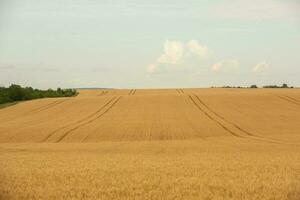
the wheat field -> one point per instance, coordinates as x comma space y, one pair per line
153, 144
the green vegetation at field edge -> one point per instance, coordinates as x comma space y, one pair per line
5, 105
16, 93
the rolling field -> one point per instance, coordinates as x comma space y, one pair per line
153, 144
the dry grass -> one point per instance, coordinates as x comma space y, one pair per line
153, 144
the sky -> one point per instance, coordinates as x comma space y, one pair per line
149, 44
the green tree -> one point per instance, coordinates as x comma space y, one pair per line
284, 85
15, 93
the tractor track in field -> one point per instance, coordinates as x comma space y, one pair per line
49, 106
41, 108
114, 102
233, 124
229, 122
180, 91
132, 92
107, 110
79, 121
289, 99
247, 135
292, 98
213, 119
45, 106
102, 93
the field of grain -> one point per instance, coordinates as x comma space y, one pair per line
153, 144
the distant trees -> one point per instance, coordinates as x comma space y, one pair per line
284, 85
255, 86
18, 93
276, 86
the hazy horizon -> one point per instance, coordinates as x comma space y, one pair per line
142, 44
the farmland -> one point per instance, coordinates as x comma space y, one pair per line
153, 144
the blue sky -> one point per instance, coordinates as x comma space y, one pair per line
149, 44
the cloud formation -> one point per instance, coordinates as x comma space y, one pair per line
173, 52
176, 52
226, 65
260, 67
195, 48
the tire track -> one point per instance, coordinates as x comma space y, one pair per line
248, 134
214, 120
37, 110
43, 107
107, 110
54, 102
288, 100
79, 121
130, 92
90, 121
180, 91
229, 122
49, 106
236, 126
102, 93
293, 99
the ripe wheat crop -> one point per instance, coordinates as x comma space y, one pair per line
153, 144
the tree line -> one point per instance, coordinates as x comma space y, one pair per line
255, 86
17, 93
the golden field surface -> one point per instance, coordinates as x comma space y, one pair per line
153, 144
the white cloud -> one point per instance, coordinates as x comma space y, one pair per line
195, 48
173, 52
226, 65
260, 67
152, 68
258, 10
176, 52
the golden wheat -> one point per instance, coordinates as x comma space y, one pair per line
153, 144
